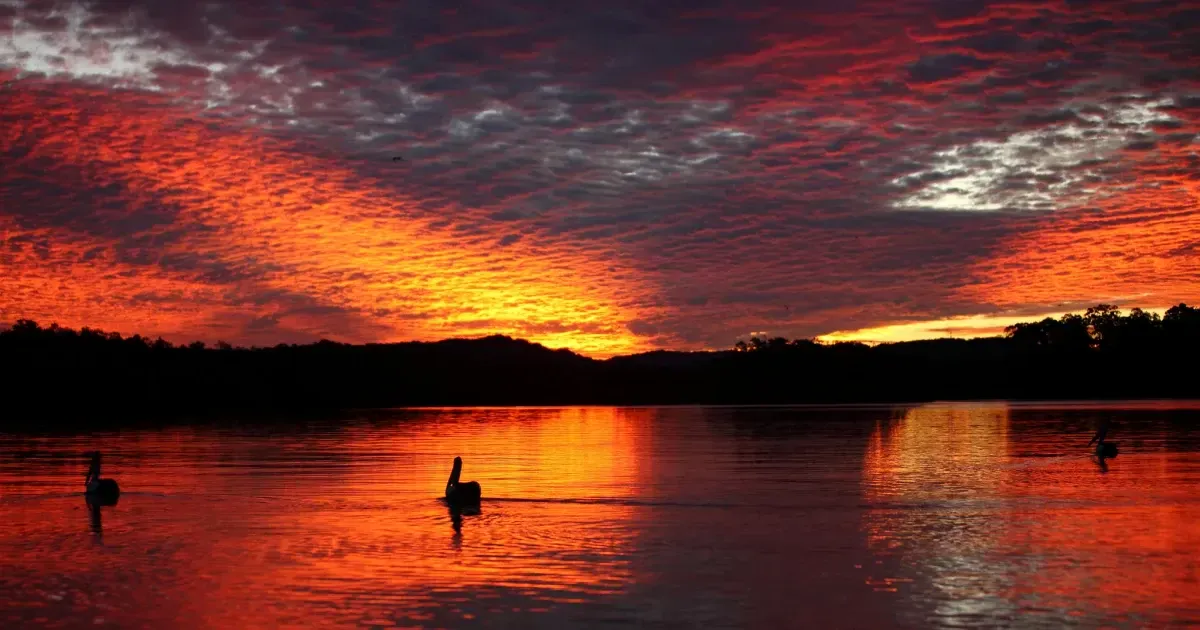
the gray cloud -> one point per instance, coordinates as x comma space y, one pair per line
860, 161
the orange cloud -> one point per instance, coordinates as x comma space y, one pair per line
890, 163
289, 226
1138, 250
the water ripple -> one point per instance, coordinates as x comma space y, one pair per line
929, 516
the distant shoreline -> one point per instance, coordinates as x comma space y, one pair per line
77, 376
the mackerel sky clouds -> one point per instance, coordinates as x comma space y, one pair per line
613, 177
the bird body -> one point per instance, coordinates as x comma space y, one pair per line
103, 490
106, 490
461, 493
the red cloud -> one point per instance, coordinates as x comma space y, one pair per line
611, 180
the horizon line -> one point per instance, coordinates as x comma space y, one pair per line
964, 327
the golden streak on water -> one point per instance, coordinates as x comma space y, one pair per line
721, 517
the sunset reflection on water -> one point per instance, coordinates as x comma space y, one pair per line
995, 514
282, 527
938, 515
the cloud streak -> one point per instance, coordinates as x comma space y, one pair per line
622, 179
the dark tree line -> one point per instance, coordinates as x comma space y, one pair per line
1101, 328
88, 373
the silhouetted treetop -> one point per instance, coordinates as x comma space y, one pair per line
1104, 329
1102, 353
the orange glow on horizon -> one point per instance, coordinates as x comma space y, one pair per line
968, 327
257, 242
315, 238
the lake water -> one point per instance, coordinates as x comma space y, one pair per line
944, 515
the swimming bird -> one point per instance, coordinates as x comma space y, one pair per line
397, 159
465, 493
103, 490
1103, 449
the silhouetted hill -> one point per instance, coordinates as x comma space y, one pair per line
1100, 354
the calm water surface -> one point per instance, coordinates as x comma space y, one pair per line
985, 514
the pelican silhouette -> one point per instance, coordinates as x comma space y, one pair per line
465, 493
1103, 449
103, 491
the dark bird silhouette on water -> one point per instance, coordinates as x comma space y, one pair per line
1103, 449
461, 493
397, 159
100, 491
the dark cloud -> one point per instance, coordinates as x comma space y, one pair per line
942, 67
689, 166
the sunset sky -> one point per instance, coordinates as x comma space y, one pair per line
609, 177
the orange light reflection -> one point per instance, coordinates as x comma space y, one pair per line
291, 530
976, 516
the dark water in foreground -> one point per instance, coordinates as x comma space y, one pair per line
932, 516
